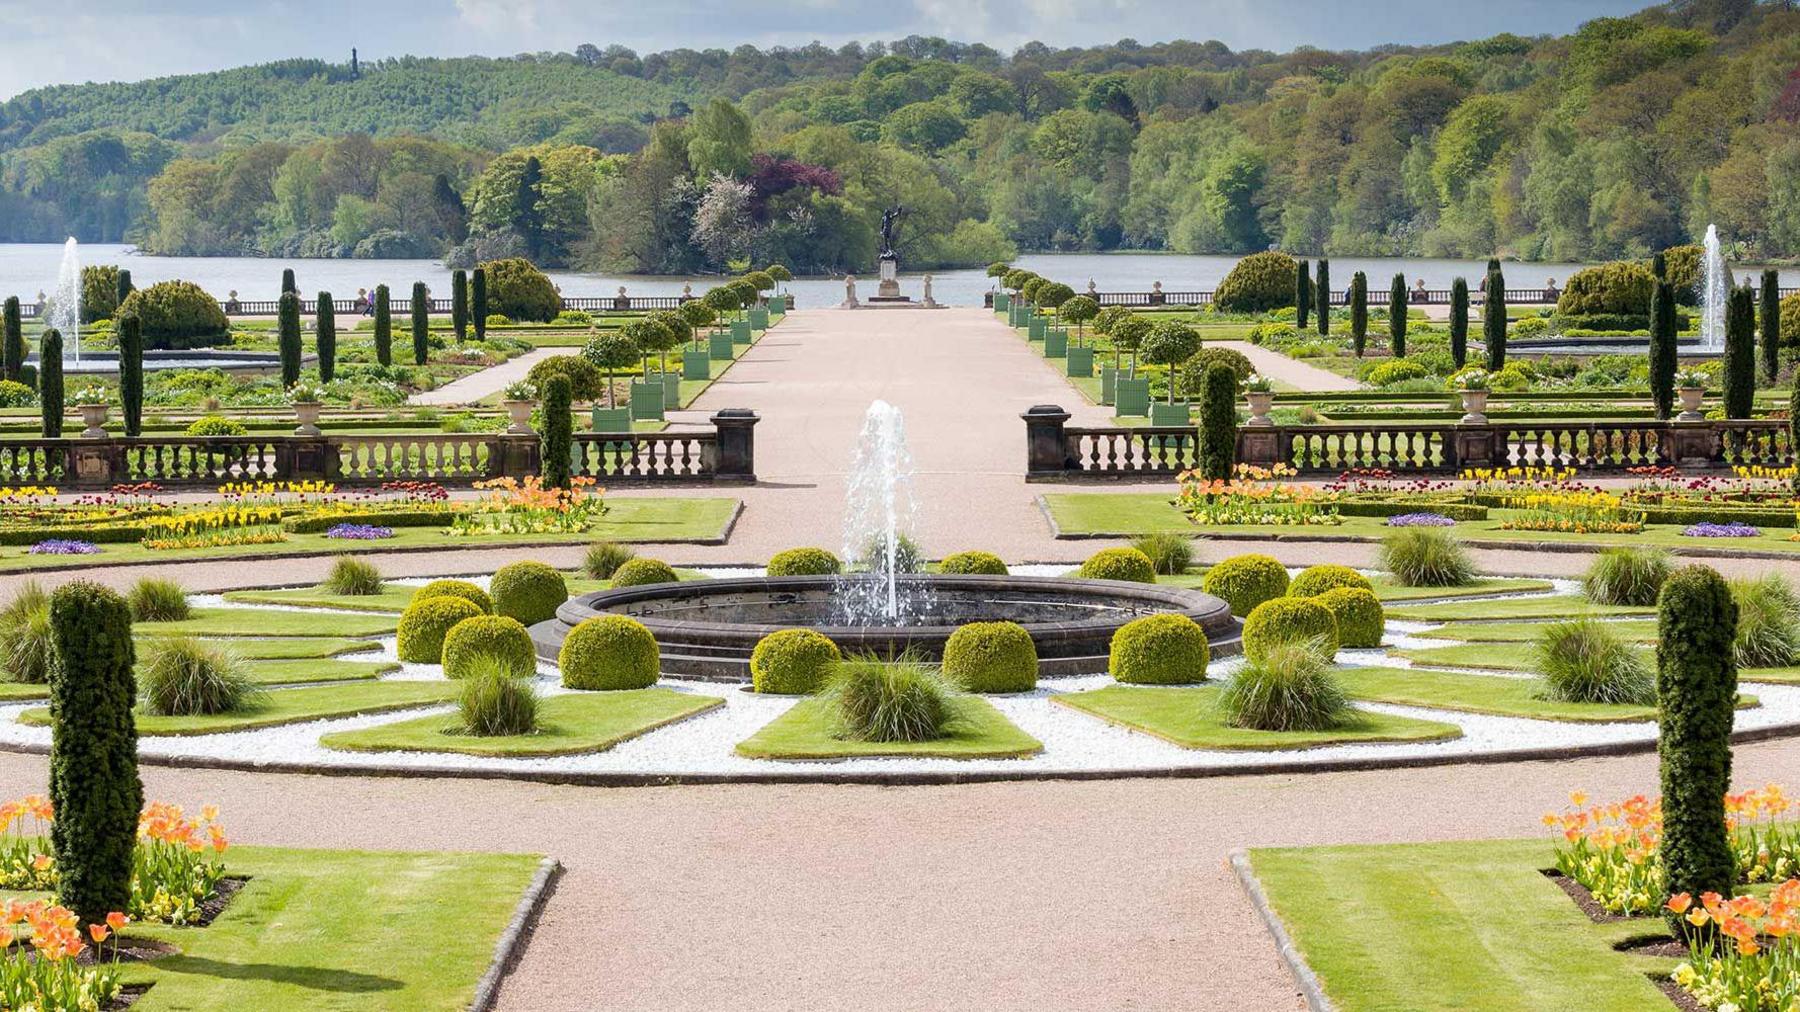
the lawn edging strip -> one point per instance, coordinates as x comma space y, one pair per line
1296, 963
513, 940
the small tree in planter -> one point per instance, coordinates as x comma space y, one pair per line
721, 300
1359, 312
760, 281
1218, 423
998, 269
1078, 310
1323, 306
1664, 358
1031, 287
50, 382
1303, 292
131, 373
649, 336
559, 435
421, 322
459, 303
326, 336
1014, 280
1128, 335
780, 273
1459, 322
611, 353
287, 323
1170, 344
1397, 316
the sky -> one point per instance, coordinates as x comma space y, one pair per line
129, 40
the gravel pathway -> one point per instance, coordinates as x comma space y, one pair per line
487, 382
1296, 374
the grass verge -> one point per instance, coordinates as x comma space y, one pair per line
1636, 630
1188, 716
290, 706
976, 731
568, 724
268, 622
1491, 694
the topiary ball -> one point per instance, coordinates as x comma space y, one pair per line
1245, 581
1289, 620
497, 636
805, 562
991, 657
1159, 650
796, 661
1316, 580
425, 623
1358, 614
609, 652
457, 588
973, 564
1127, 564
639, 572
528, 591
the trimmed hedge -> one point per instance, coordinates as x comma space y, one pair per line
973, 564
991, 657
457, 588
115, 535
399, 516
496, 636
1159, 650
1372, 508
805, 562
1358, 613
1126, 564
609, 652
1316, 580
639, 572
528, 591
1623, 287
425, 623
1288, 620
176, 314
1245, 581
1258, 283
793, 661
517, 290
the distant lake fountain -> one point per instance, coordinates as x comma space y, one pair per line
64, 311
1713, 291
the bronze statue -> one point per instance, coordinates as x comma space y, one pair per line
890, 218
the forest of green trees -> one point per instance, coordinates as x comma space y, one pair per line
1627, 136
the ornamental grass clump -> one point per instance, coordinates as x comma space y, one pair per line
604, 558
493, 703
184, 677
1170, 554
1584, 661
154, 600
1426, 557
352, 577
1290, 687
26, 651
1626, 576
1245, 581
870, 699
1768, 626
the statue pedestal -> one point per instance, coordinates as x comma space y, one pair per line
889, 289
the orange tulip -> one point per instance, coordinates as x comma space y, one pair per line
117, 921
98, 932
1679, 903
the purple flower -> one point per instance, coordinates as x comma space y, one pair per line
1420, 520
1730, 530
360, 532
60, 546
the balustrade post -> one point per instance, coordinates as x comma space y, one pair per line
1046, 447
310, 458
95, 461
516, 456
1261, 445
736, 460
1477, 446
1694, 444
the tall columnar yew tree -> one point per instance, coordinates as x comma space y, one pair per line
384, 326
1302, 295
1459, 322
123, 286
459, 304
94, 784
558, 432
1696, 690
1323, 302
421, 322
478, 303
1359, 312
131, 372
1663, 357
1218, 422
326, 335
287, 281
50, 382
1493, 318
12, 343
1397, 316
1770, 313
1739, 369
287, 325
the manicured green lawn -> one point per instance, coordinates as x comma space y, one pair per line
268, 622
1188, 716
1551, 606
978, 731
1638, 630
286, 647
1499, 656
1389, 591
1453, 927
290, 706
1506, 697
568, 724
14, 691
323, 929
296, 672
631, 520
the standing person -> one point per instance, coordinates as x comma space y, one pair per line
1418, 291
362, 301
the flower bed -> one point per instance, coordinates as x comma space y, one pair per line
1732, 529
1420, 520
1253, 496
359, 532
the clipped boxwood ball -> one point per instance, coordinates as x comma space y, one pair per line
973, 564
497, 636
528, 591
457, 588
1119, 564
609, 652
1316, 580
1358, 614
638, 572
795, 661
1289, 620
1245, 581
425, 623
991, 657
1159, 650
805, 562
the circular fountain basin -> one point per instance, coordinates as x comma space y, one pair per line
707, 628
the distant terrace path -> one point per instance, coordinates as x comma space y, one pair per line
1292, 372
486, 383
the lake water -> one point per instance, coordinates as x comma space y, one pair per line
29, 268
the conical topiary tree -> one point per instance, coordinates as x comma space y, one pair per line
325, 334
1397, 316
384, 326
1770, 313
50, 382
1303, 295
1739, 368
1322, 304
459, 304
12, 341
1663, 358
131, 372
94, 786
1459, 322
421, 323
287, 337
1493, 318
1359, 312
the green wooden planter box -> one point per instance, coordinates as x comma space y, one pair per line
759, 318
647, 400
1035, 328
1081, 362
696, 362
1132, 396
1002, 302
719, 345
1109, 380
740, 332
1162, 413
611, 420
1056, 344
671, 382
